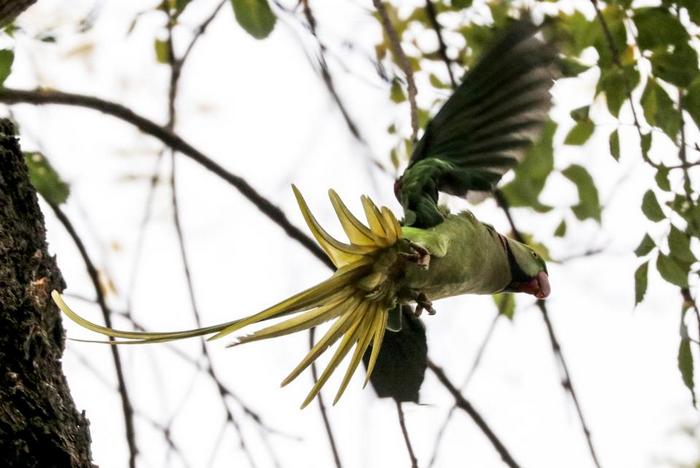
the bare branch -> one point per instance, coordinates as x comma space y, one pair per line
556, 347
322, 407
472, 371
330, 86
175, 73
127, 409
404, 431
41, 96
403, 62
463, 404
442, 47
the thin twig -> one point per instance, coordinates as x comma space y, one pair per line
167, 436
222, 387
43, 96
442, 47
175, 74
576, 256
463, 404
556, 347
177, 67
688, 188
404, 431
127, 408
566, 379
322, 407
472, 371
402, 61
327, 78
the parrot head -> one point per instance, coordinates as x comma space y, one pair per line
528, 270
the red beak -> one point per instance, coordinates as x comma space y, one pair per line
537, 286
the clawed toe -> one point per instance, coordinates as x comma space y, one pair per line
418, 255
423, 303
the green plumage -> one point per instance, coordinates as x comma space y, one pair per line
480, 132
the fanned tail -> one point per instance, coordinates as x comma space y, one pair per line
358, 297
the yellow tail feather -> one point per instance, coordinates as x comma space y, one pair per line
357, 296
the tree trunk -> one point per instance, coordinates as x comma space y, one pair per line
9, 9
39, 424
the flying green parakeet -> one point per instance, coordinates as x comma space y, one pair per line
481, 131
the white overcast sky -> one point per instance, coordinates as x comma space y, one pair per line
259, 109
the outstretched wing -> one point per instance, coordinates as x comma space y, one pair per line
484, 128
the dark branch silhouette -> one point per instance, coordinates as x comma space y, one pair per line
566, 381
402, 61
41, 96
406, 438
463, 404
127, 408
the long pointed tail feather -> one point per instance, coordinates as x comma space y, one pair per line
356, 298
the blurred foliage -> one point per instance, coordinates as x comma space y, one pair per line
45, 179
6, 59
646, 53
255, 16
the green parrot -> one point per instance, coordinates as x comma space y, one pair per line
481, 131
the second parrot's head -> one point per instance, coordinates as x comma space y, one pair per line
528, 270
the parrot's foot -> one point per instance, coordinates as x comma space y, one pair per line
417, 254
423, 303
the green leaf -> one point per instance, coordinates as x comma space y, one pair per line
640, 282
646, 144
255, 16
589, 204
571, 66
661, 179
45, 179
181, 4
692, 100
575, 33
396, 93
580, 114
560, 231
614, 17
531, 174
460, 4
685, 365
672, 271
679, 244
435, 81
651, 207
656, 27
614, 83
615, 145
6, 59
505, 302
659, 109
646, 246
678, 66
580, 133
162, 51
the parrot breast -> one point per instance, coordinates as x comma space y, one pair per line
466, 258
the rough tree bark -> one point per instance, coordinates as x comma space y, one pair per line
10, 9
39, 424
